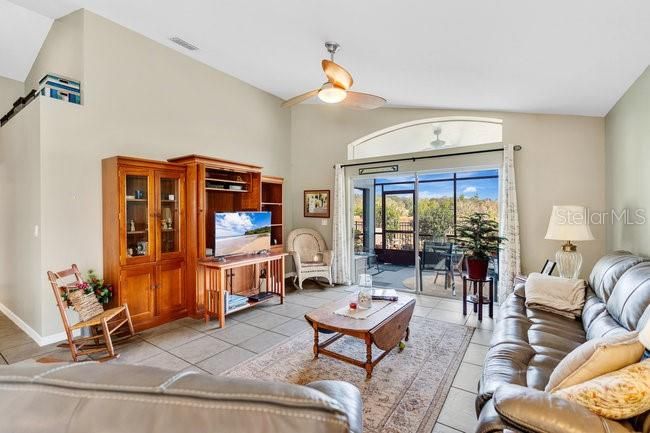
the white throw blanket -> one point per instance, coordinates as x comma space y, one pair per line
563, 296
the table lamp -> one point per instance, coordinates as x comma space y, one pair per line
569, 223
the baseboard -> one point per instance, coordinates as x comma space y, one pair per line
38, 339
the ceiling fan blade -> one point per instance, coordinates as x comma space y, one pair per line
336, 74
362, 101
300, 98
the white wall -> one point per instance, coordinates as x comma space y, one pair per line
562, 162
10, 90
21, 280
627, 135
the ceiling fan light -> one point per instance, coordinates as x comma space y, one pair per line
331, 94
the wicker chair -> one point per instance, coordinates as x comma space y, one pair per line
310, 255
107, 327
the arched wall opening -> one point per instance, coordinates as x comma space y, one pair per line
425, 135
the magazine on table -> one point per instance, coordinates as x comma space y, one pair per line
384, 295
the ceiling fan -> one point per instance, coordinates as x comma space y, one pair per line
336, 89
438, 143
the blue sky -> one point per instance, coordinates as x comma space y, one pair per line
237, 223
484, 188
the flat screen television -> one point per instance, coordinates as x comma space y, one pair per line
237, 233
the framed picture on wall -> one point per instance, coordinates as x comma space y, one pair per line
317, 203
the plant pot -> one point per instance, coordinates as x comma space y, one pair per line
477, 268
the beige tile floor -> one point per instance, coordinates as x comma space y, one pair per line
189, 344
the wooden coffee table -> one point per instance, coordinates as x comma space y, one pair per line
385, 328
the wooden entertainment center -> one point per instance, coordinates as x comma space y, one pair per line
158, 225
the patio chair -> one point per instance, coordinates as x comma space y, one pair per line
437, 257
107, 327
457, 260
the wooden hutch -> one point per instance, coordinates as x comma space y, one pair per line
144, 237
159, 223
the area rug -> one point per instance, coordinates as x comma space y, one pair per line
407, 389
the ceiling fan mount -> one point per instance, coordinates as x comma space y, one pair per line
336, 90
332, 48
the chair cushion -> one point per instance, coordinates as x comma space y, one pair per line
631, 296
593, 308
312, 264
594, 358
609, 269
604, 325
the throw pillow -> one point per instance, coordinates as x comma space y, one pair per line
594, 358
621, 394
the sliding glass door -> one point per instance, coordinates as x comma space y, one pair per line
404, 226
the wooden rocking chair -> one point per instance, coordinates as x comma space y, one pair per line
107, 328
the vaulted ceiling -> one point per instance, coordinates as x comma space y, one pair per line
555, 56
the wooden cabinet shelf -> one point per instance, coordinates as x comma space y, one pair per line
225, 189
250, 304
272, 199
236, 182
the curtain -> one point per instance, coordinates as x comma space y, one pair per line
341, 235
509, 256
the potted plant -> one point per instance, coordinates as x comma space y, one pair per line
479, 236
93, 284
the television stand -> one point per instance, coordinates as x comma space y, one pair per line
212, 278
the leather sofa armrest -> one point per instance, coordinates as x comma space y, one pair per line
348, 396
327, 257
536, 411
489, 421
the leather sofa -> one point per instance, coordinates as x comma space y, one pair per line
107, 398
527, 344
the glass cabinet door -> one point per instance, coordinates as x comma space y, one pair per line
169, 214
137, 221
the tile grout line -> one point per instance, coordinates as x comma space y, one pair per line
454, 429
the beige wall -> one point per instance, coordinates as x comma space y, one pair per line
20, 191
10, 90
140, 99
62, 51
627, 138
562, 162
143, 99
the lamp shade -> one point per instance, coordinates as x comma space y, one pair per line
569, 223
